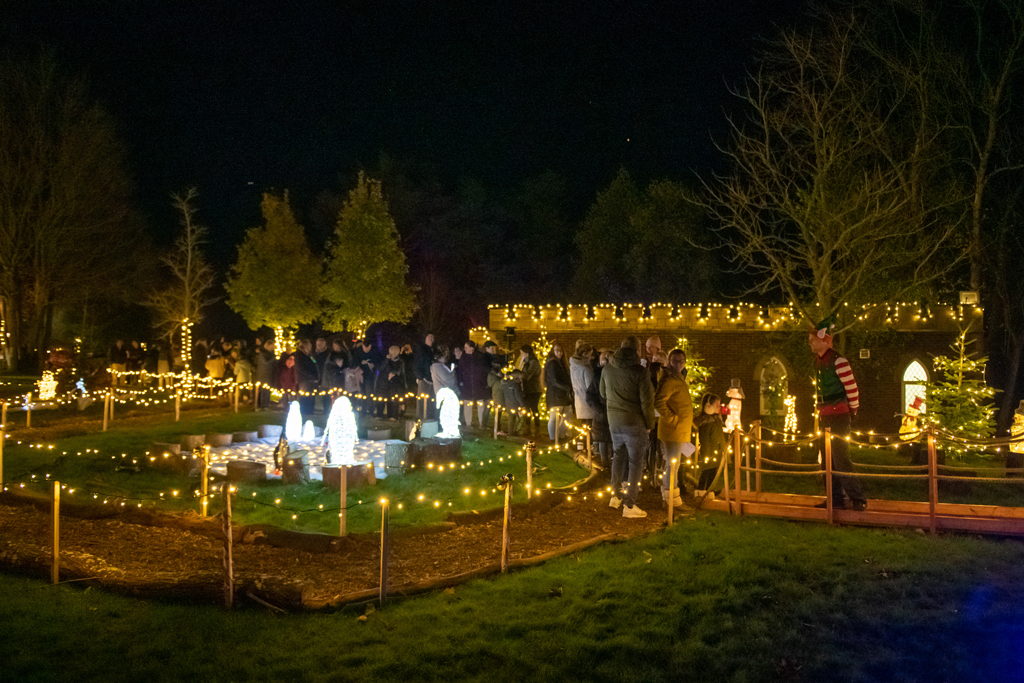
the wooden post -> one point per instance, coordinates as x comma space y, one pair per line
590, 454
3, 437
106, 408
383, 550
725, 480
55, 566
507, 524
177, 405
757, 457
672, 475
111, 407
746, 461
736, 439
229, 575
497, 419
933, 479
828, 474
3, 420
204, 488
343, 514
558, 420
529, 468
28, 410
236, 397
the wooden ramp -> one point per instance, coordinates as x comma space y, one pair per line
980, 519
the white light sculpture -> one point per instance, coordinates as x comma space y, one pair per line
448, 413
308, 431
293, 425
340, 433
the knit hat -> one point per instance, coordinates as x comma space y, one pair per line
918, 402
823, 330
734, 389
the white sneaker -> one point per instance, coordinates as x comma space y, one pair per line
615, 502
633, 513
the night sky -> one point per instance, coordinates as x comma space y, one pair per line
237, 98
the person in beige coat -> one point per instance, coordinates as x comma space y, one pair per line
675, 409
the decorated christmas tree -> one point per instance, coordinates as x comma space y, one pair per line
960, 402
697, 375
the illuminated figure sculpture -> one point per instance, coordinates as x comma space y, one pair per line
308, 431
293, 425
735, 394
1017, 429
340, 433
448, 413
908, 427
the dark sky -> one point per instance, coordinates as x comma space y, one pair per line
238, 97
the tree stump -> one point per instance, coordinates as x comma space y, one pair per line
218, 440
429, 429
270, 431
246, 470
395, 456
244, 437
172, 448
378, 434
422, 452
295, 468
410, 430
190, 442
357, 475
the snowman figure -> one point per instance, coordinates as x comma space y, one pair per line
735, 395
448, 414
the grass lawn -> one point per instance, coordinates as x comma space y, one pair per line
714, 598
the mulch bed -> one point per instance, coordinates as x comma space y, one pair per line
158, 561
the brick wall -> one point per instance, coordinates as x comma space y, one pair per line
737, 341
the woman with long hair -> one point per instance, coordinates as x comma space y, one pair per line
530, 366
559, 389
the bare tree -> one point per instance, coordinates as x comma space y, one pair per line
838, 193
182, 300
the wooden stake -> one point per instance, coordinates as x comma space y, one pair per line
497, 420
343, 514
383, 551
204, 488
177, 406
229, 574
236, 397
725, 480
106, 404
507, 524
55, 566
111, 407
933, 479
746, 461
736, 438
590, 454
529, 468
828, 474
28, 410
3, 421
3, 437
671, 489
558, 419
757, 456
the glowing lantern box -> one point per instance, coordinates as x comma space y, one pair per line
356, 475
423, 452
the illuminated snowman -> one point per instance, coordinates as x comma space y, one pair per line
340, 433
735, 395
1017, 429
448, 413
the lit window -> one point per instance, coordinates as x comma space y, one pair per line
914, 378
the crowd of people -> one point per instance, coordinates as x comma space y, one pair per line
634, 401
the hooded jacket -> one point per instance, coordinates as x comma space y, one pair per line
582, 373
675, 408
627, 391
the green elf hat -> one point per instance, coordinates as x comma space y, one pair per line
823, 330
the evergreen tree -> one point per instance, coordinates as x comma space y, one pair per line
276, 279
960, 402
365, 281
697, 374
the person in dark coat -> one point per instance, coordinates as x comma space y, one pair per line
472, 372
367, 359
559, 389
286, 379
600, 434
532, 388
390, 385
118, 362
308, 378
423, 358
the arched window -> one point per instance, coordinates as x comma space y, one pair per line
914, 378
774, 388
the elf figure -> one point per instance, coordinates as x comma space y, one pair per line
735, 408
838, 399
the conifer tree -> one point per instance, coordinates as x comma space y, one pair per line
365, 280
276, 279
961, 402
